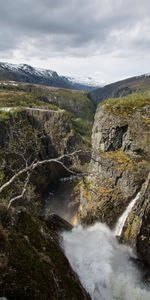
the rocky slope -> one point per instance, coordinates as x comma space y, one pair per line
120, 166
32, 263
122, 88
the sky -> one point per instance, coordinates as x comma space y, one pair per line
104, 39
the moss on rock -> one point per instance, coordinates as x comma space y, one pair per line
33, 265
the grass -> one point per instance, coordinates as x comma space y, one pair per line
82, 127
119, 156
122, 160
13, 99
78, 107
128, 104
75, 102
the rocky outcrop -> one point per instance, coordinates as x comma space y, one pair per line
32, 263
119, 168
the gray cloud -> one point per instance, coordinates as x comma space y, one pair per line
74, 28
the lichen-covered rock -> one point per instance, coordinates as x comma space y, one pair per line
120, 161
32, 263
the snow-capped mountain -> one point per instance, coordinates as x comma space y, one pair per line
28, 74
89, 81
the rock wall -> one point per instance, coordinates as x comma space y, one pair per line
34, 134
119, 167
137, 228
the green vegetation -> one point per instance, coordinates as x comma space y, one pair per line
4, 115
122, 159
127, 105
125, 162
75, 102
22, 99
79, 108
83, 128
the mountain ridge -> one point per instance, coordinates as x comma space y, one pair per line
140, 83
28, 74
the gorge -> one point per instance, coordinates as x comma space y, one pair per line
103, 189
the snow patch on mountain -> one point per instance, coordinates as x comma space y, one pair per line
89, 81
27, 73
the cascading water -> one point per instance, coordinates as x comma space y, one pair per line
123, 218
103, 265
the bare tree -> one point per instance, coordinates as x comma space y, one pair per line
28, 169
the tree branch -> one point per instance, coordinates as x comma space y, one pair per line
23, 191
34, 165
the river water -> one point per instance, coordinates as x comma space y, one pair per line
103, 265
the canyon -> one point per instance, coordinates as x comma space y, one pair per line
102, 189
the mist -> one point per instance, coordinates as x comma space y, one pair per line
103, 265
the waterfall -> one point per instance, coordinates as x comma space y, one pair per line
103, 265
122, 219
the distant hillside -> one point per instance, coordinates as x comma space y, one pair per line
122, 88
27, 74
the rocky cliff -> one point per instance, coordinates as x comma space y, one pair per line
120, 166
30, 134
32, 263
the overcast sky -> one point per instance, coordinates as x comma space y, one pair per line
106, 39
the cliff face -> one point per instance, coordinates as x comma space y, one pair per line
119, 166
33, 265
30, 134
137, 228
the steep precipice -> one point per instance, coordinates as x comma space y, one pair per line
120, 166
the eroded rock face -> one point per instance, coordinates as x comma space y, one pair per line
137, 228
34, 134
33, 265
119, 167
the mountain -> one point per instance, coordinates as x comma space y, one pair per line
122, 88
28, 74
87, 81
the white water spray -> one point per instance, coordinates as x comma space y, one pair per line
102, 264
121, 222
